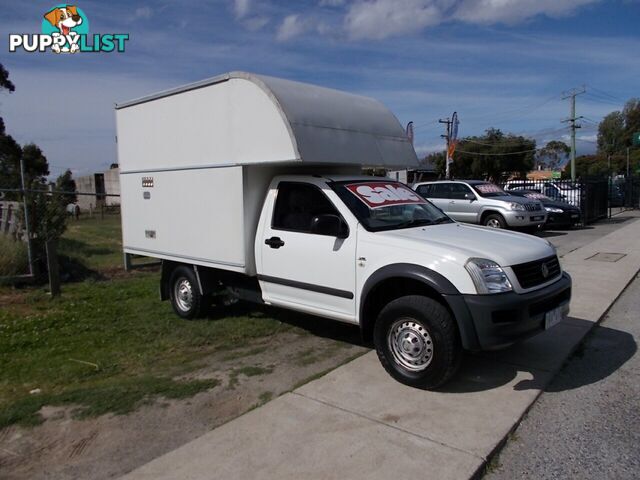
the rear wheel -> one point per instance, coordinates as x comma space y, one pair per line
417, 342
495, 220
186, 299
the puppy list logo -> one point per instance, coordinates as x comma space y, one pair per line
65, 29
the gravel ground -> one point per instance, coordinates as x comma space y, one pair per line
587, 422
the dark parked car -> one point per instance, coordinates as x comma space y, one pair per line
616, 195
558, 213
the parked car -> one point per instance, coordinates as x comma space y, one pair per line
558, 213
477, 201
562, 191
278, 213
616, 195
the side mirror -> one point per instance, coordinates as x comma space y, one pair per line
470, 196
330, 225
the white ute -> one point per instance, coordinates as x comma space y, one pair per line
250, 187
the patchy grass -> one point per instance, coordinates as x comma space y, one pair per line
93, 242
14, 260
247, 371
117, 396
109, 346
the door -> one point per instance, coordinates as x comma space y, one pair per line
460, 207
436, 193
301, 269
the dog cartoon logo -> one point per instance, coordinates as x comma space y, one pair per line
65, 18
65, 29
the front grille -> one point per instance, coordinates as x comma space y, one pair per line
530, 274
532, 207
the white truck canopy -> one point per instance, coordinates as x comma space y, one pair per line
244, 119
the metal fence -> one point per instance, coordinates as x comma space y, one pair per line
9, 219
628, 190
591, 195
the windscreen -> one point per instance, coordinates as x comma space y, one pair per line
536, 195
488, 190
387, 205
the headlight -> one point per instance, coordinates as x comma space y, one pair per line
488, 276
553, 210
516, 206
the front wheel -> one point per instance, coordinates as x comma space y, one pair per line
495, 220
417, 342
186, 299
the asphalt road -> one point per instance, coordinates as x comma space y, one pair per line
587, 422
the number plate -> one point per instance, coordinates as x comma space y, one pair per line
535, 219
554, 316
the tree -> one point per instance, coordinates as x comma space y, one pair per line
551, 156
5, 83
66, 183
10, 151
631, 115
493, 156
435, 159
611, 133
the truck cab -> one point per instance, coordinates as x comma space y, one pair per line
423, 287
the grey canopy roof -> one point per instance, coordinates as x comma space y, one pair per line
325, 125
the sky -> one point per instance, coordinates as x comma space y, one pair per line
498, 63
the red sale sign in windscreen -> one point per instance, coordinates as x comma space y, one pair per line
384, 194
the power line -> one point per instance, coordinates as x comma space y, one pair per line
499, 154
602, 92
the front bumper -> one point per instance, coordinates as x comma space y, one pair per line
498, 320
569, 217
525, 219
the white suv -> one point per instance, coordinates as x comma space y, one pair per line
477, 201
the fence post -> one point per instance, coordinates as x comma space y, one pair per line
26, 218
52, 267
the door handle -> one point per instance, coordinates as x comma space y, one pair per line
452, 201
274, 242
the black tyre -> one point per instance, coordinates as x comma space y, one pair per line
186, 299
494, 220
417, 342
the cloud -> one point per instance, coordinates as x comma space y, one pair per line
241, 8
514, 11
380, 19
291, 26
143, 12
256, 23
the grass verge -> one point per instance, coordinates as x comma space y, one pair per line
108, 347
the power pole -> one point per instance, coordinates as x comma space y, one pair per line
447, 137
572, 94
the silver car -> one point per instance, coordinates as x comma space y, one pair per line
477, 201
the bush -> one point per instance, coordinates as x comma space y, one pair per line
13, 257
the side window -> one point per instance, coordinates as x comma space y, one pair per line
458, 191
425, 190
297, 204
440, 190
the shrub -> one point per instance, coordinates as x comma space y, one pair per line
13, 257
